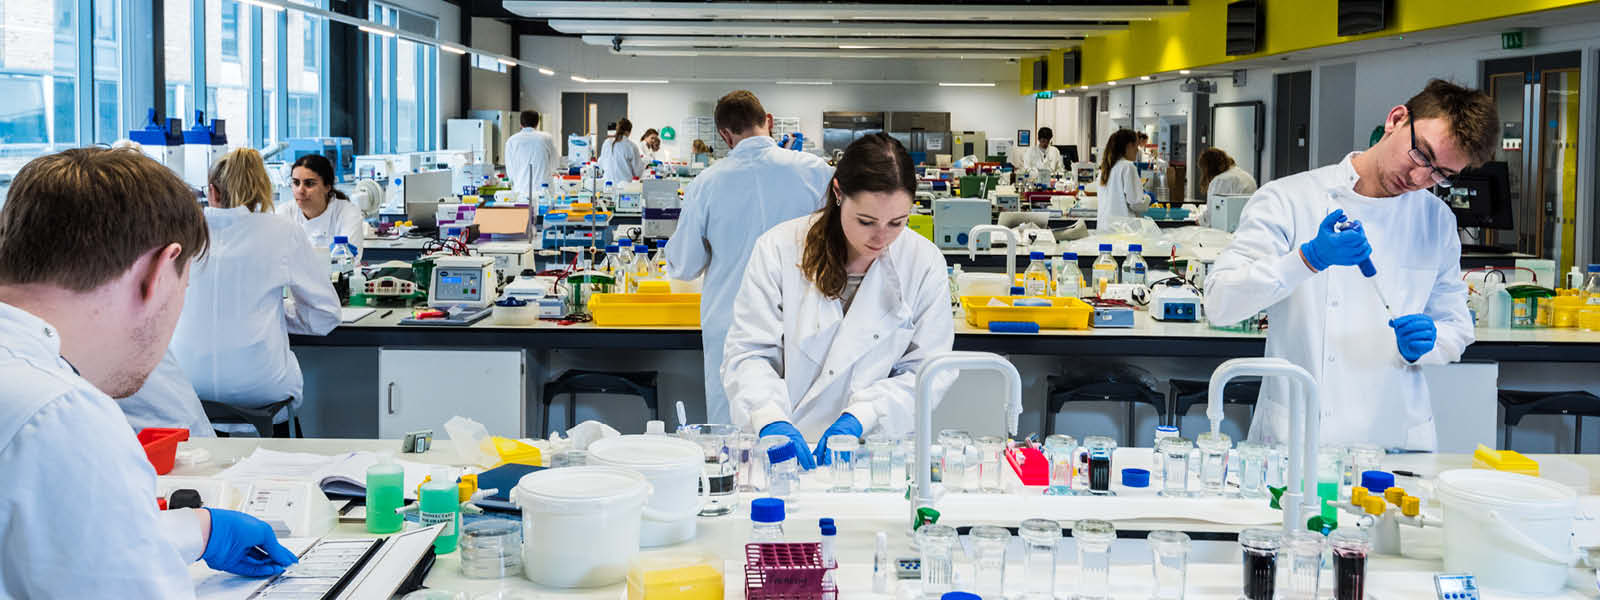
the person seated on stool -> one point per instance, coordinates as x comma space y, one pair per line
233, 337
95, 251
839, 309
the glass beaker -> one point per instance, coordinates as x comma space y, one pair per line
744, 446
1061, 451
989, 560
1213, 462
761, 477
715, 441
990, 447
1169, 564
1094, 538
937, 543
1330, 473
842, 451
1304, 553
1363, 458
1253, 457
1039, 539
880, 450
1260, 548
1278, 466
1099, 449
1175, 476
954, 442
1350, 549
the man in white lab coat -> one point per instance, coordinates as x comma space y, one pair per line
725, 209
530, 156
1043, 159
1296, 254
95, 251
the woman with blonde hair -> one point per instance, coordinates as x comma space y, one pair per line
232, 339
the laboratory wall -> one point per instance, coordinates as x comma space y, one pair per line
449, 17
490, 89
695, 83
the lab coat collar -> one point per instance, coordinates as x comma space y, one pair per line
30, 337
235, 212
751, 146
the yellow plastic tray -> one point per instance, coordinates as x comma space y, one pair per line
1063, 312
643, 310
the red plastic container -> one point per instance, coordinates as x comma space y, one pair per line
161, 446
778, 571
1030, 465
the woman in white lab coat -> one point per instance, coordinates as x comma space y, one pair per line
232, 339
653, 151
838, 310
1121, 196
620, 158
323, 212
1220, 176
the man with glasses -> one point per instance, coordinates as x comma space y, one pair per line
1299, 253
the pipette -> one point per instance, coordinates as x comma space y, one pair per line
1368, 270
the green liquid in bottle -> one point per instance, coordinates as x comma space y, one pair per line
440, 502
385, 494
1328, 491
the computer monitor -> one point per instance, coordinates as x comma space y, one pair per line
1069, 155
1024, 138
1481, 197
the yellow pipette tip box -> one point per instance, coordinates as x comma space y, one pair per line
513, 451
691, 574
1509, 461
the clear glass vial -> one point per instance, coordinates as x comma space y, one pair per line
1169, 563
842, 452
937, 543
989, 560
1214, 449
1099, 450
1253, 457
1093, 538
954, 442
1039, 539
991, 480
1350, 549
1175, 477
1260, 550
1061, 451
1303, 550
880, 450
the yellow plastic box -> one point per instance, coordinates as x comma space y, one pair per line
1063, 312
690, 574
1509, 461
645, 310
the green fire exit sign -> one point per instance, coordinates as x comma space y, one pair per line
1511, 40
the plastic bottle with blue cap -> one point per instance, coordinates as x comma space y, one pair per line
783, 470
1036, 279
1133, 267
1105, 270
1069, 279
766, 520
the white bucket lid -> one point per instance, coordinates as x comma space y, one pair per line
648, 454
1533, 496
581, 489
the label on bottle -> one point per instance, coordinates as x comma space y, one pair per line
1037, 286
434, 518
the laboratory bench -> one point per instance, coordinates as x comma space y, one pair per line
1214, 569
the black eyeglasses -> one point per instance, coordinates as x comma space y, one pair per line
1440, 178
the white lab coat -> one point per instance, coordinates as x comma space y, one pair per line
341, 218
78, 518
1121, 197
167, 399
655, 155
1332, 323
1042, 162
1232, 182
621, 161
530, 156
233, 336
725, 209
795, 355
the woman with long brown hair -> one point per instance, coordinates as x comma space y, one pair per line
838, 309
1220, 176
620, 157
1120, 196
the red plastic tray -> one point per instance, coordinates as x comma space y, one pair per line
161, 446
1033, 469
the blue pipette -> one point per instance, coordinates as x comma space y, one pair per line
1369, 270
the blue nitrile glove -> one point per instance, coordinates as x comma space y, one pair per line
786, 429
244, 545
1414, 334
1334, 246
846, 424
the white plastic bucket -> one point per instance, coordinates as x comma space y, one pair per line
1514, 532
580, 525
675, 468
983, 284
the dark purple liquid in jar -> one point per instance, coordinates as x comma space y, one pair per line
1349, 575
1099, 471
1260, 574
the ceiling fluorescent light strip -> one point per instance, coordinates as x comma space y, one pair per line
805, 83
964, 84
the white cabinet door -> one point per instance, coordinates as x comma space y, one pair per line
421, 389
